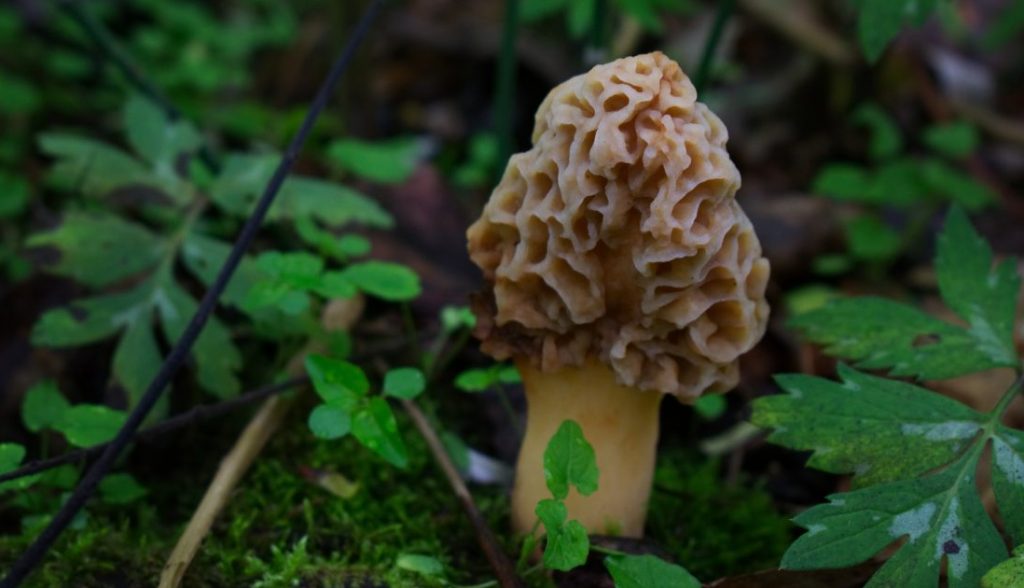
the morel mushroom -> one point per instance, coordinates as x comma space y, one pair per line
619, 268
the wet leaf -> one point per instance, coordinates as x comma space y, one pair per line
374, 425
338, 383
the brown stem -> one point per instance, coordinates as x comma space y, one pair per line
500, 563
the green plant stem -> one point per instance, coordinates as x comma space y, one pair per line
1008, 396
725, 10
504, 103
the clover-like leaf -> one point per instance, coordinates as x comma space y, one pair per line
121, 489
329, 421
405, 382
389, 281
390, 161
853, 426
44, 406
338, 383
85, 425
374, 425
569, 460
567, 543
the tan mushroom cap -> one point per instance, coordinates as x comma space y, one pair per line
618, 236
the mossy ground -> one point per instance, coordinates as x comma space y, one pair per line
282, 529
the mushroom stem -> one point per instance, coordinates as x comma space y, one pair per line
620, 422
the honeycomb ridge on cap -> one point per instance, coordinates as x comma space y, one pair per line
618, 236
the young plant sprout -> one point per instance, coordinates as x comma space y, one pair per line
618, 268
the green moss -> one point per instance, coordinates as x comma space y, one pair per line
713, 528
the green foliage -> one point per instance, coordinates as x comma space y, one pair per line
407, 383
347, 407
882, 334
881, 20
910, 184
423, 565
567, 543
569, 460
647, 571
483, 379
388, 162
925, 492
580, 14
121, 489
1007, 26
285, 567
710, 406
389, 281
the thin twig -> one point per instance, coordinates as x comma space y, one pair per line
197, 414
500, 563
180, 352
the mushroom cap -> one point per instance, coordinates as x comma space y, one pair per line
618, 236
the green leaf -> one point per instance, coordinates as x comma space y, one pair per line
121, 489
390, 161
374, 425
326, 243
99, 249
648, 571
881, 20
508, 374
710, 406
217, 358
956, 186
569, 461
244, 178
11, 455
204, 256
44, 407
155, 137
841, 181
899, 183
882, 334
940, 515
299, 270
137, 359
90, 319
982, 294
423, 565
334, 285
97, 169
86, 425
956, 139
390, 281
869, 239
567, 543
1008, 479
1010, 573
338, 383
476, 380
406, 382
853, 426
886, 139
17, 96
329, 421
1005, 27
580, 17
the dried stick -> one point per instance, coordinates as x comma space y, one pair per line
503, 569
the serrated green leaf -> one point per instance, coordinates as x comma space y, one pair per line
1008, 479
90, 319
337, 382
423, 565
329, 421
217, 358
567, 543
955, 186
98, 249
882, 334
869, 239
137, 360
853, 426
569, 460
955, 139
982, 294
390, 281
155, 137
86, 425
244, 178
390, 161
886, 139
941, 516
374, 425
648, 571
97, 169
121, 489
44, 407
1010, 573
406, 382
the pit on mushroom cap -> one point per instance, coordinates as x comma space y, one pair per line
616, 243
